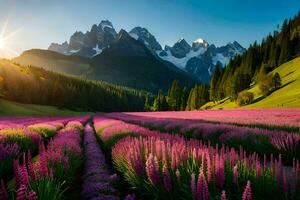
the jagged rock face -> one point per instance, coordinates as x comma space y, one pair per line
106, 34
127, 46
76, 41
90, 43
143, 35
201, 58
231, 49
198, 59
180, 49
199, 67
99, 37
60, 48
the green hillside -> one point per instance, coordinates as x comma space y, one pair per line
10, 108
287, 96
31, 85
53, 61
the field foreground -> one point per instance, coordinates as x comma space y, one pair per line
200, 155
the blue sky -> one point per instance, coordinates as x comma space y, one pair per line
41, 22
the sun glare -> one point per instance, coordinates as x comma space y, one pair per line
6, 39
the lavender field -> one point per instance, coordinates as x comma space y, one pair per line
167, 155
150, 100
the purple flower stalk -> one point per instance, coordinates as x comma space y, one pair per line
202, 188
152, 169
247, 194
167, 178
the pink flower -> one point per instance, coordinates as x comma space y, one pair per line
193, 185
220, 175
16, 173
152, 169
247, 194
21, 193
24, 178
209, 169
32, 196
30, 167
235, 174
167, 179
202, 188
42, 165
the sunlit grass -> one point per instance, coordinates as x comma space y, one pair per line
287, 96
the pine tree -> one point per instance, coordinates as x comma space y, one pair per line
160, 102
163, 103
174, 96
147, 106
156, 104
274, 50
214, 83
184, 98
285, 53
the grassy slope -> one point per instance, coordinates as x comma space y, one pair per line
287, 96
9, 108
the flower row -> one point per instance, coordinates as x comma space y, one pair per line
97, 180
180, 169
265, 117
54, 170
168, 165
263, 141
22, 122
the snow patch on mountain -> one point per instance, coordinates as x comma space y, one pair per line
201, 42
134, 36
219, 57
98, 50
180, 62
74, 51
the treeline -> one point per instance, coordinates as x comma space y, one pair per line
179, 98
38, 86
246, 69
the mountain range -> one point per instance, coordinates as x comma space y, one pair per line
134, 58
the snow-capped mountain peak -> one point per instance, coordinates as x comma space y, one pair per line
199, 43
199, 40
105, 24
180, 48
198, 58
144, 36
201, 58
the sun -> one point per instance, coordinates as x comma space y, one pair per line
6, 41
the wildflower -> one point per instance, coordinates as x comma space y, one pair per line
152, 169
30, 167
202, 188
247, 194
167, 179
32, 196
193, 185
21, 192
235, 174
